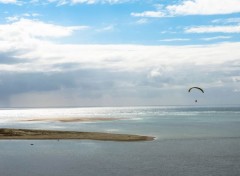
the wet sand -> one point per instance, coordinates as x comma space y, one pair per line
27, 134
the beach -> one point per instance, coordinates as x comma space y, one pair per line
7, 133
11, 133
64, 119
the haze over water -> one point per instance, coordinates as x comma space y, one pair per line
189, 141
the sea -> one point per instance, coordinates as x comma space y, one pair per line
189, 141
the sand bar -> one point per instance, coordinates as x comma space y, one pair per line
8, 133
81, 119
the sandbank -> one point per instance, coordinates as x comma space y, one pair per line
80, 119
28, 134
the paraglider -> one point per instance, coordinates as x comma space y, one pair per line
189, 90
196, 88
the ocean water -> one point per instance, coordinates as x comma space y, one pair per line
190, 141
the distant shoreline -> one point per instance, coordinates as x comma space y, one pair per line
27, 134
72, 119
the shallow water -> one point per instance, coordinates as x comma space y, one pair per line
190, 141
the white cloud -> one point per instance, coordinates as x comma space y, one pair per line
26, 28
30, 14
216, 38
194, 7
21, 37
214, 29
154, 14
142, 21
63, 2
18, 17
174, 39
21, 41
161, 70
155, 73
44, 56
30, 58
227, 20
9, 1
205, 7
106, 28
12, 18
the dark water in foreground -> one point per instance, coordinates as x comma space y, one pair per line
199, 141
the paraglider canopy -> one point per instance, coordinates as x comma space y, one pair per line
196, 88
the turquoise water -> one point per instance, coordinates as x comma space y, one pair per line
189, 141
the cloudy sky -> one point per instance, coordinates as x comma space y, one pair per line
119, 52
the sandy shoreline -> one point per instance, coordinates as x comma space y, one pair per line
26, 134
81, 119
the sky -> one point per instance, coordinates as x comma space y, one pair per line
57, 53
